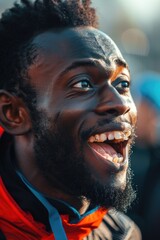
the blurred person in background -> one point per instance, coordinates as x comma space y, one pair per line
146, 156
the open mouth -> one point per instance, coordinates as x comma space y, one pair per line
111, 145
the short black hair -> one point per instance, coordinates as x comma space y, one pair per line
19, 24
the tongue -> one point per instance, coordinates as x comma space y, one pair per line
103, 149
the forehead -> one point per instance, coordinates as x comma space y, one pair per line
59, 51
76, 43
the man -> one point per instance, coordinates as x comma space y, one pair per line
69, 119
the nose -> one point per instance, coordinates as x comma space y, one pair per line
112, 102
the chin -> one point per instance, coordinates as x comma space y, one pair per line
120, 180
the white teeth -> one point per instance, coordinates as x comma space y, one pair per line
117, 135
97, 138
103, 137
111, 136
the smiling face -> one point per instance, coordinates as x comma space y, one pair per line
85, 115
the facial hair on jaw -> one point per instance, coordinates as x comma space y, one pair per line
65, 168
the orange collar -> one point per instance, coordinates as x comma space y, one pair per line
21, 225
85, 226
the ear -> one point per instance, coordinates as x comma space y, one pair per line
14, 116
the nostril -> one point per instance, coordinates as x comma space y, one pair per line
112, 111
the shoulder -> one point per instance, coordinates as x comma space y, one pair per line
116, 225
120, 224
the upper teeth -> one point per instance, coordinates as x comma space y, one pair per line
118, 135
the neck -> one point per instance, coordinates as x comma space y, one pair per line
26, 163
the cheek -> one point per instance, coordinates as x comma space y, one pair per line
71, 116
76, 109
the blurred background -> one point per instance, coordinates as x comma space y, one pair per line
134, 25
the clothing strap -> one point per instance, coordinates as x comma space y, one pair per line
54, 217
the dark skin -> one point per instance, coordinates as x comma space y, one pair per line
81, 80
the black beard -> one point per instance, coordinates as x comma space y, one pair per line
66, 169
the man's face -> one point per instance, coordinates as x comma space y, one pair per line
85, 115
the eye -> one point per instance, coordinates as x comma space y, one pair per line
83, 85
123, 85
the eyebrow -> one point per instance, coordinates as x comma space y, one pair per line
95, 63
120, 62
79, 63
